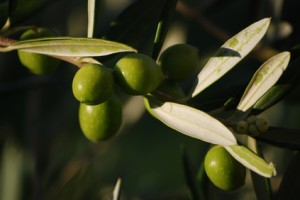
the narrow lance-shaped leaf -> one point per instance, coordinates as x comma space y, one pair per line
91, 18
250, 160
117, 190
263, 79
69, 46
230, 53
191, 122
272, 96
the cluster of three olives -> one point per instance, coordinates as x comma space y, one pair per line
253, 126
100, 112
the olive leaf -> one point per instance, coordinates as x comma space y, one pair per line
252, 161
229, 54
289, 186
163, 26
263, 79
261, 185
191, 122
69, 46
91, 18
138, 32
189, 174
117, 190
288, 80
273, 95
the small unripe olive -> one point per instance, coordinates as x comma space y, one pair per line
38, 63
179, 62
242, 127
137, 74
171, 89
101, 122
262, 125
93, 84
251, 119
223, 170
253, 130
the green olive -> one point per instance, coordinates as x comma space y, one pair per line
242, 127
262, 125
179, 62
223, 170
38, 63
137, 74
93, 84
171, 89
101, 122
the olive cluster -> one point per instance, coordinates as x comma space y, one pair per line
223, 170
94, 84
252, 125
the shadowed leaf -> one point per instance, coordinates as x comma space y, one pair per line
261, 184
289, 187
136, 25
282, 137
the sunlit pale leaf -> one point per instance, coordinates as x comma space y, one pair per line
69, 46
250, 160
230, 53
117, 190
191, 122
263, 79
91, 18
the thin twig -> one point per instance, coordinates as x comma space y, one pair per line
206, 24
262, 52
4, 42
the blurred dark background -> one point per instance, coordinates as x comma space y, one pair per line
44, 155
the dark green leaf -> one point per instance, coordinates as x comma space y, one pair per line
136, 25
12, 6
261, 184
190, 176
163, 26
286, 138
289, 187
3, 13
27, 8
272, 96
